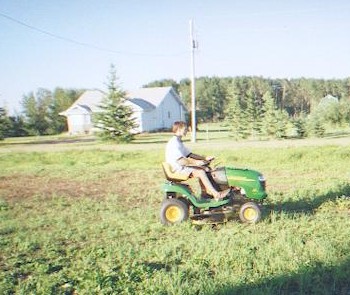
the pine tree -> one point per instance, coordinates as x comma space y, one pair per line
4, 123
282, 119
254, 113
300, 125
17, 127
269, 123
115, 121
235, 116
316, 125
274, 121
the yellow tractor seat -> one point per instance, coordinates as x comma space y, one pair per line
171, 175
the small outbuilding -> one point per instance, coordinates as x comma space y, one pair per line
154, 109
328, 99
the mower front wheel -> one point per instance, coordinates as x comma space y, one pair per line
250, 213
173, 211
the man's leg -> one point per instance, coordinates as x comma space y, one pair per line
203, 178
201, 174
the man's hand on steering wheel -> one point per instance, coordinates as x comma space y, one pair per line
209, 158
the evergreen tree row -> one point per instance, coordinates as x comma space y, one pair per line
295, 96
260, 107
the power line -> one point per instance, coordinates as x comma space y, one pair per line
88, 45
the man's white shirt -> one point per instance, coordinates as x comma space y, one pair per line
175, 149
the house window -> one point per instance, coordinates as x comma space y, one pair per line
169, 115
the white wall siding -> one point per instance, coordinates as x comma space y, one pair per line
171, 111
79, 123
149, 119
137, 116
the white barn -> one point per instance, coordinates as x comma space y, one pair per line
154, 109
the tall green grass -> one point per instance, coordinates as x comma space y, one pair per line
58, 241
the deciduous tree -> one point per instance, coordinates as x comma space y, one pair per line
35, 108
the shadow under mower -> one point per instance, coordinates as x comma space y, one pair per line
247, 192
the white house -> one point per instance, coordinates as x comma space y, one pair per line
154, 108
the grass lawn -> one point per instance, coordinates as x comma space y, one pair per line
78, 216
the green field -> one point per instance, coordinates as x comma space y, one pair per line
81, 217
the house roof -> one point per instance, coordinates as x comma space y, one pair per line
143, 104
91, 99
144, 98
77, 109
153, 95
329, 98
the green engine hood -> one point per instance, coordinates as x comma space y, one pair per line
252, 182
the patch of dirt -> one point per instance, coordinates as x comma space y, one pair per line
16, 187
133, 188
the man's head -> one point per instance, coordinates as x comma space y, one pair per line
180, 128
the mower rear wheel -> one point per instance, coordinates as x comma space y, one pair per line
250, 213
173, 211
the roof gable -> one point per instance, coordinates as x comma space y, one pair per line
77, 109
91, 99
154, 95
141, 103
329, 99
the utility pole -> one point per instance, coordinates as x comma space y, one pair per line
193, 84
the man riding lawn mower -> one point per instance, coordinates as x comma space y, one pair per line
224, 189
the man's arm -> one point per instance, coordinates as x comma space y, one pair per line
199, 157
194, 160
189, 161
196, 157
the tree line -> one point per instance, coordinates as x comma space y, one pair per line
247, 105
257, 106
40, 114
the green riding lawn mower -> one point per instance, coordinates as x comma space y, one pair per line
244, 200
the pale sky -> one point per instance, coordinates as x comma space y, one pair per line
72, 43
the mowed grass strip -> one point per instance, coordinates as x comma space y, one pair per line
85, 221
